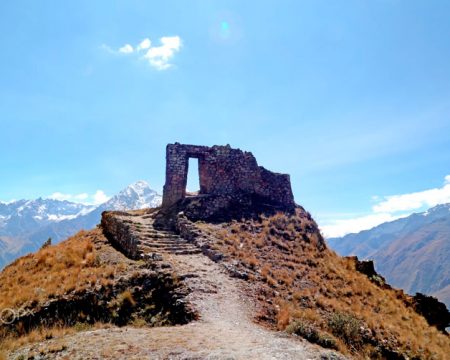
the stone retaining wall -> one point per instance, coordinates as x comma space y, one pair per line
118, 232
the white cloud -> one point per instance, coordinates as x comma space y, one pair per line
96, 199
416, 200
338, 228
126, 49
68, 197
389, 208
100, 197
158, 57
145, 44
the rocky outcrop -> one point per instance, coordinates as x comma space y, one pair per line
433, 310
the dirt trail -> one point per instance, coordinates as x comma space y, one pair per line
224, 331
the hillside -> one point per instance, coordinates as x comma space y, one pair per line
412, 253
274, 270
26, 224
236, 271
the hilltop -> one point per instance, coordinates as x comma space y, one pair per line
237, 271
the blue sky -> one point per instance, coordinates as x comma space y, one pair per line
352, 98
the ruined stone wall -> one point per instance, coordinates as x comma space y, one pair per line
119, 234
223, 171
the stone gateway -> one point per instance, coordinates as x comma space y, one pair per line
224, 172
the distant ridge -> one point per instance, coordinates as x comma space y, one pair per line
26, 224
412, 253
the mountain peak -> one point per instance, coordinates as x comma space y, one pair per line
138, 195
140, 187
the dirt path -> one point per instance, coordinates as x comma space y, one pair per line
224, 331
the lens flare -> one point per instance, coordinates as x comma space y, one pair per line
225, 29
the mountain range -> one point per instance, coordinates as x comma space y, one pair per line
412, 253
26, 224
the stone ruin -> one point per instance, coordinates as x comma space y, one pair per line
227, 176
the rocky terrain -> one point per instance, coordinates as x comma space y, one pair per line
412, 253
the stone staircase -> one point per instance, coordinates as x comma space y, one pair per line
154, 241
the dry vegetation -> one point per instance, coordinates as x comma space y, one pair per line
53, 271
308, 290
72, 266
79, 284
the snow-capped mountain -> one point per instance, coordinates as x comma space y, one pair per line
20, 217
136, 196
26, 224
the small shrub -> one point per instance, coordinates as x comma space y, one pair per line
265, 271
47, 243
310, 333
139, 323
271, 281
283, 317
126, 299
79, 327
347, 328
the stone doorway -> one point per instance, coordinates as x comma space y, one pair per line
193, 177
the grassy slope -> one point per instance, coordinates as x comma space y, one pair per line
86, 273
310, 290
54, 271
79, 263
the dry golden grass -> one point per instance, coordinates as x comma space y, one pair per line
310, 284
81, 262
55, 270
44, 333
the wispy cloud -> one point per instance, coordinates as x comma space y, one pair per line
69, 197
99, 197
159, 57
416, 200
389, 208
126, 49
337, 228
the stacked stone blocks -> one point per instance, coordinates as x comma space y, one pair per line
223, 171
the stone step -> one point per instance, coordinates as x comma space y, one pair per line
161, 232
165, 241
188, 252
142, 223
168, 248
159, 236
176, 252
153, 245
